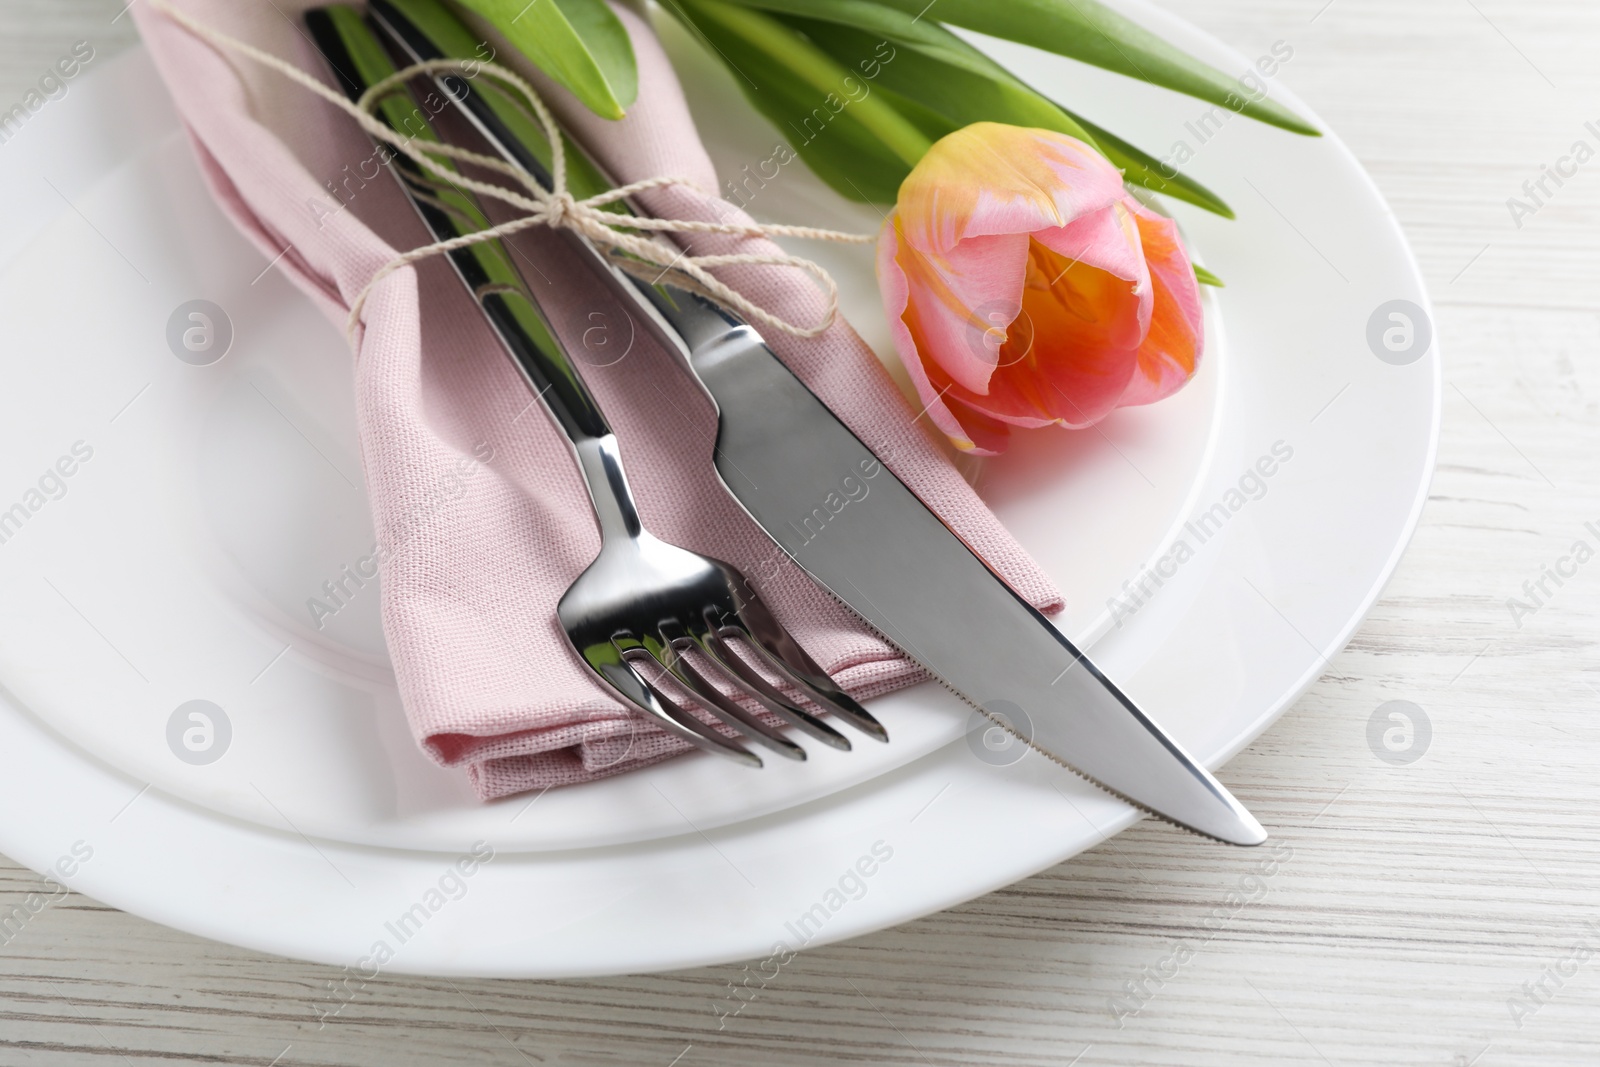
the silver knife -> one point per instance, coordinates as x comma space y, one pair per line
790, 462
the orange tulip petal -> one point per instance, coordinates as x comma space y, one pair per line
1108, 239
989, 178
961, 303
1075, 348
1171, 350
896, 292
989, 436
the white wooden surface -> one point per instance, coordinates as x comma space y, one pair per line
1417, 900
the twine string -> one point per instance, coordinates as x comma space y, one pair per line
555, 207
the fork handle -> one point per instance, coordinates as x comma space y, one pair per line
551, 373
359, 59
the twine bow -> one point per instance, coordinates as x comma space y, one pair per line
556, 207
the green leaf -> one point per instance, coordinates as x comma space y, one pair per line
981, 90
580, 43
776, 44
457, 40
1143, 169
955, 92
1085, 30
1205, 277
1137, 166
932, 124
885, 24
862, 147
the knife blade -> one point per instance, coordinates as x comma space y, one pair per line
834, 508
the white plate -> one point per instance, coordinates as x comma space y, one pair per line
176, 564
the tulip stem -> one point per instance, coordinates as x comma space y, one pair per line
777, 43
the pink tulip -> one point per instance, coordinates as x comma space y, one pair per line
1025, 287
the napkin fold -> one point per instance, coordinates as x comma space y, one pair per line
481, 517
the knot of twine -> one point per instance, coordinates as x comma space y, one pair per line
561, 205
556, 207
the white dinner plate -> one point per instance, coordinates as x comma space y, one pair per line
176, 514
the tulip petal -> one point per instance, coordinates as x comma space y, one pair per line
989, 436
896, 292
1108, 239
961, 304
1055, 368
1076, 346
1172, 348
988, 179
1106, 243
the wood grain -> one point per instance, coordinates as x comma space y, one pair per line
1411, 903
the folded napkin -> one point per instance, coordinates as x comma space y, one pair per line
481, 516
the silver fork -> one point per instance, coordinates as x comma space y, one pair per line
644, 611
646, 603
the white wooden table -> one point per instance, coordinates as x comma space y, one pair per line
1418, 901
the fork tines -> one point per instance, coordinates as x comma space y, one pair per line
698, 657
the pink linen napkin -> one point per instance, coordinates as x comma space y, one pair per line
481, 515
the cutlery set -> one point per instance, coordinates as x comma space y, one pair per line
660, 626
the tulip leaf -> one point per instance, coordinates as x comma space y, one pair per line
957, 93
981, 90
1137, 166
1205, 277
861, 146
457, 40
885, 24
930, 122
1085, 30
580, 43
1143, 169
831, 84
